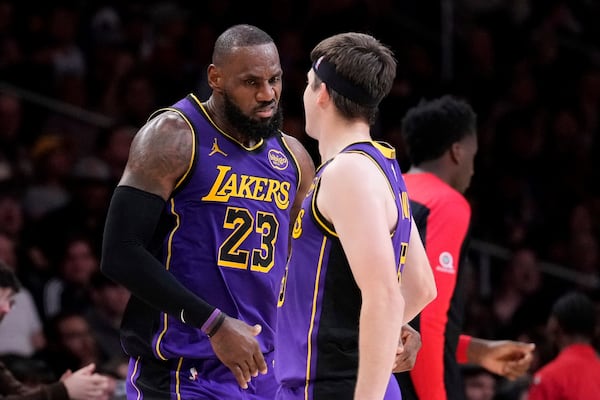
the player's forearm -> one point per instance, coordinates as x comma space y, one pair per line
418, 282
130, 224
380, 326
476, 350
417, 297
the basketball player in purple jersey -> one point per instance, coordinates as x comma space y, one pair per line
340, 308
198, 230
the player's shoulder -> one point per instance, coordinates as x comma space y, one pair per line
355, 170
303, 159
427, 188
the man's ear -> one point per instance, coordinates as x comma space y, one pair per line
323, 97
456, 152
215, 80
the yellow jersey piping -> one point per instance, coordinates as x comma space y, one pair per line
312, 317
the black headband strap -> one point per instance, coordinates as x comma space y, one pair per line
327, 73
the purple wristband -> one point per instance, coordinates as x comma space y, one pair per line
206, 326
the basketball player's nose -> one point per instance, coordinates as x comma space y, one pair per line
265, 93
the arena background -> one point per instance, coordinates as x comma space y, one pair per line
78, 78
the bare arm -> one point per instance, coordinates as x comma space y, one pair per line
502, 357
307, 173
363, 221
418, 283
160, 154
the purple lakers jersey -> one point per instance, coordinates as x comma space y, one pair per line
225, 237
316, 351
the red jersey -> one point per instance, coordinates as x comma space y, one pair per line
573, 375
442, 215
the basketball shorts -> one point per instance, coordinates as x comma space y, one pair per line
202, 379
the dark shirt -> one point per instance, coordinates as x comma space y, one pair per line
12, 389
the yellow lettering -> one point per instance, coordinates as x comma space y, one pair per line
403, 250
405, 205
229, 184
282, 198
229, 188
297, 231
258, 188
245, 189
212, 194
272, 189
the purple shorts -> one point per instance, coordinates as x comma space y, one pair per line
205, 379
338, 390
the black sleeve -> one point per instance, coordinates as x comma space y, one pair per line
132, 218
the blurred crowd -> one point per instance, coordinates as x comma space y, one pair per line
530, 69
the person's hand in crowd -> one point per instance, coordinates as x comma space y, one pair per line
236, 346
84, 384
406, 353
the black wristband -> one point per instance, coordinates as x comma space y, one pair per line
217, 325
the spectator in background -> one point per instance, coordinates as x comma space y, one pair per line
112, 147
13, 159
52, 163
21, 334
70, 290
90, 187
82, 384
521, 286
575, 373
109, 300
11, 209
71, 344
480, 384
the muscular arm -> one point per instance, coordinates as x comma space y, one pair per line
363, 221
159, 155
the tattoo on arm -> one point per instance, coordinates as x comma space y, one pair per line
160, 154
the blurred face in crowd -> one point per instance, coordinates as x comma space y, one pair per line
7, 300
76, 337
79, 263
8, 253
480, 387
112, 299
11, 215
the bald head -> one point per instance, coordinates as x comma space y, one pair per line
238, 36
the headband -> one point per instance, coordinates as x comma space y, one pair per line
327, 73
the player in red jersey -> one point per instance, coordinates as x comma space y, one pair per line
441, 138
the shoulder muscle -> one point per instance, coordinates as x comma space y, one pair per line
160, 154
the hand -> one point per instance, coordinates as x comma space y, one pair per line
406, 353
83, 384
507, 358
235, 345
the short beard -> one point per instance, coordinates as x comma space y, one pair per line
251, 128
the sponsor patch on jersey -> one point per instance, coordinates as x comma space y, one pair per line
446, 263
278, 160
